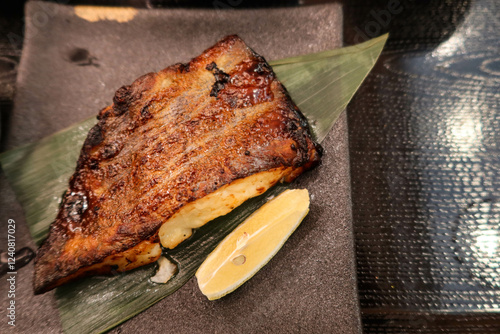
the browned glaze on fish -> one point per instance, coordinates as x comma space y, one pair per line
168, 140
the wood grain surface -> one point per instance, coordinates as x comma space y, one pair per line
424, 149
424, 133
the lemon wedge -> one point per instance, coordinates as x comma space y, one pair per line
252, 244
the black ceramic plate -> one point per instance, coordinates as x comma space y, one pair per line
74, 59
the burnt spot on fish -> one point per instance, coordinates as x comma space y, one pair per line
126, 95
184, 68
145, 114
292, 126
104, 113
221, 79
249, 84
262, 67
74, 206
121, 100
94, 164
110, 150
95, 137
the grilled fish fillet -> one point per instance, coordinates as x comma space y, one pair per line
175, 150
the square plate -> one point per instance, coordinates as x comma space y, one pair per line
74, 59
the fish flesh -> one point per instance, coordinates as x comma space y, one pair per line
176, 149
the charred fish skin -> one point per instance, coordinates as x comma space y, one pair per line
168, 140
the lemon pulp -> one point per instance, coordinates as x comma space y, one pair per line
252, 244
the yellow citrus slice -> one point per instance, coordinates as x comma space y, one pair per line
252, 244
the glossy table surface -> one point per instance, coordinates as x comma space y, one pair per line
425, 166
424, 134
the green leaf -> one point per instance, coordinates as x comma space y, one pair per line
39, 174
321, 84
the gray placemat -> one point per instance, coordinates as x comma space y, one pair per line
69, 70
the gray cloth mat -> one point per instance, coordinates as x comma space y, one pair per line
70, 69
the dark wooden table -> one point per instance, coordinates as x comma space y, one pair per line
424, 133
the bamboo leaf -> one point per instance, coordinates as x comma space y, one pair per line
39, 174
321, 84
